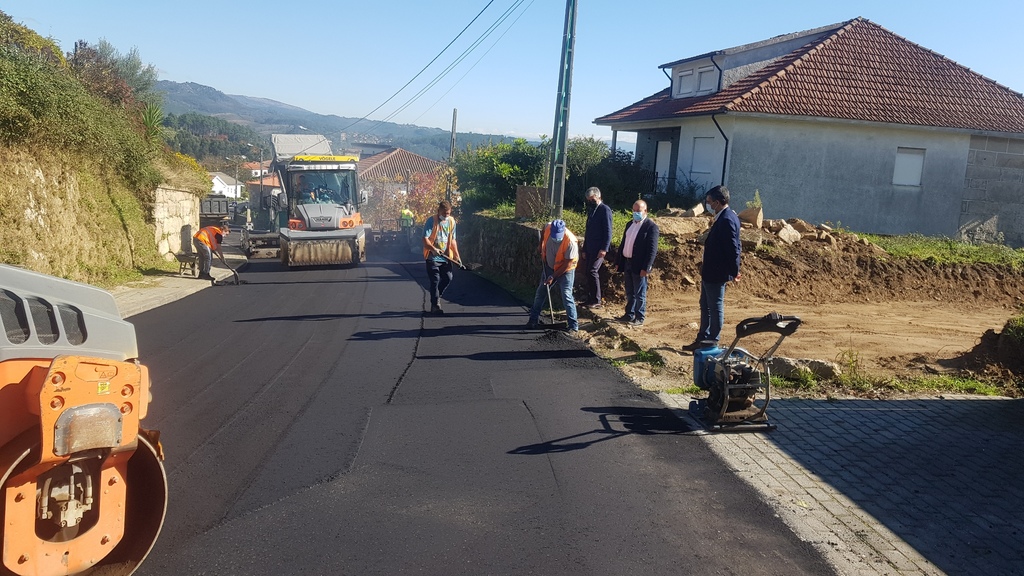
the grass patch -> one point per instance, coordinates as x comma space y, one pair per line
691, 390
941, 250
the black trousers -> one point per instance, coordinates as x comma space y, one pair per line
440, 275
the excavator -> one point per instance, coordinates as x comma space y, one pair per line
323, 199
82, 485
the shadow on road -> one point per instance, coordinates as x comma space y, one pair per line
614, 422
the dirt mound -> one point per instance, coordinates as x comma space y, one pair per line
897, 316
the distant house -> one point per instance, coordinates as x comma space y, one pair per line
257, 168
847, 123
226, 185
393, 168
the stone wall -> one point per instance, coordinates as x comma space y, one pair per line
508, 249
992, 209
175, 216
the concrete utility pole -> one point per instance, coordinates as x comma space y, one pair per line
451, 157
556, 172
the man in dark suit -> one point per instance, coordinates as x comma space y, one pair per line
596, 241
721, 265
636, 258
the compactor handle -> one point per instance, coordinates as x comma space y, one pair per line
771, 322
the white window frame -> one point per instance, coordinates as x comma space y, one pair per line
702, 156
908, 169
689, 76
706, 73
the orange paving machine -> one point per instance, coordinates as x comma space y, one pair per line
82, 485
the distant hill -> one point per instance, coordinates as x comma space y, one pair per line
266, 117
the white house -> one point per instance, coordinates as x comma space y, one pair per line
847, 123
226, 185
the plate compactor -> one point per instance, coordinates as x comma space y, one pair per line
738, 382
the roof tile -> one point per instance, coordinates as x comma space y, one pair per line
860, 72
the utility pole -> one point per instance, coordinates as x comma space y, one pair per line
451, 159
556, 172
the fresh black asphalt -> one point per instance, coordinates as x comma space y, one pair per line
316, 422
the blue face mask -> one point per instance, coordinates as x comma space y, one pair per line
709, 208
638, 216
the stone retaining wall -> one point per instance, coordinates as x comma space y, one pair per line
175, 216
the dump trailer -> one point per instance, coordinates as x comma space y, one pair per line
323, 199
82, 485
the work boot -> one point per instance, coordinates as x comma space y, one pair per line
436, 310
205, 276
532, 325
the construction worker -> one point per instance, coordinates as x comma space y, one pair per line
406, 219
440, 251
559, 249
207, 242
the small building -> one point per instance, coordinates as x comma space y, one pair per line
225, 185
847, 123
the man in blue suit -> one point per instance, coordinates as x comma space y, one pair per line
636, 259
596, 241
721, 265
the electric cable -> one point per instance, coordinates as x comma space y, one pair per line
424, 68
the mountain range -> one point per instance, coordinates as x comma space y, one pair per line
265, 117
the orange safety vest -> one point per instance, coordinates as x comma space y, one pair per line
433, 237
208, 236
562, 264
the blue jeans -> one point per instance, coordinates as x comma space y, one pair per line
712, 311
636, 294
564, 288
205, 256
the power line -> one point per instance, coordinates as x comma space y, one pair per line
424, 68
490, 30
482, 56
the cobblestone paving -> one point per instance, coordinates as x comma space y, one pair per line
892, 487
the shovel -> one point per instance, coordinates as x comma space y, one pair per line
551, 305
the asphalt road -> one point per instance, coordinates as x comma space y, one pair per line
315, 422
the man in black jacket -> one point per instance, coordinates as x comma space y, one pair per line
636, 258
596, 241
721, 265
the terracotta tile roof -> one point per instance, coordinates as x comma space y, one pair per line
395, 162
269, 181
860, 72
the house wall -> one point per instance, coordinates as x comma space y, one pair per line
709, 168
993, 202
842, 173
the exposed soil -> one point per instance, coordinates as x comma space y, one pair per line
860, 307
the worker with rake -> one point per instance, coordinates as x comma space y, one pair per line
441, 252
560, 252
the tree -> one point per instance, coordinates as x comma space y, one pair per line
582, 154
490, 174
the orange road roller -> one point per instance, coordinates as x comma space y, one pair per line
82, 485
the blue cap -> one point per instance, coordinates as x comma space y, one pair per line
558, 230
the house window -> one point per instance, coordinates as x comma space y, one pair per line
703, 157
685, 83
909, 166
706, 80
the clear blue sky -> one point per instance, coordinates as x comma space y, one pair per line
347, 58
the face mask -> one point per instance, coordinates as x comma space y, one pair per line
638, 216
709, 208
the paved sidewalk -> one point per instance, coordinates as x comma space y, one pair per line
153, 291
922, 486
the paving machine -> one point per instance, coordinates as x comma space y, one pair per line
738, 382
82, 486
323, 199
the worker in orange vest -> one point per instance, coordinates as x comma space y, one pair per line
560, 252
207, 242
